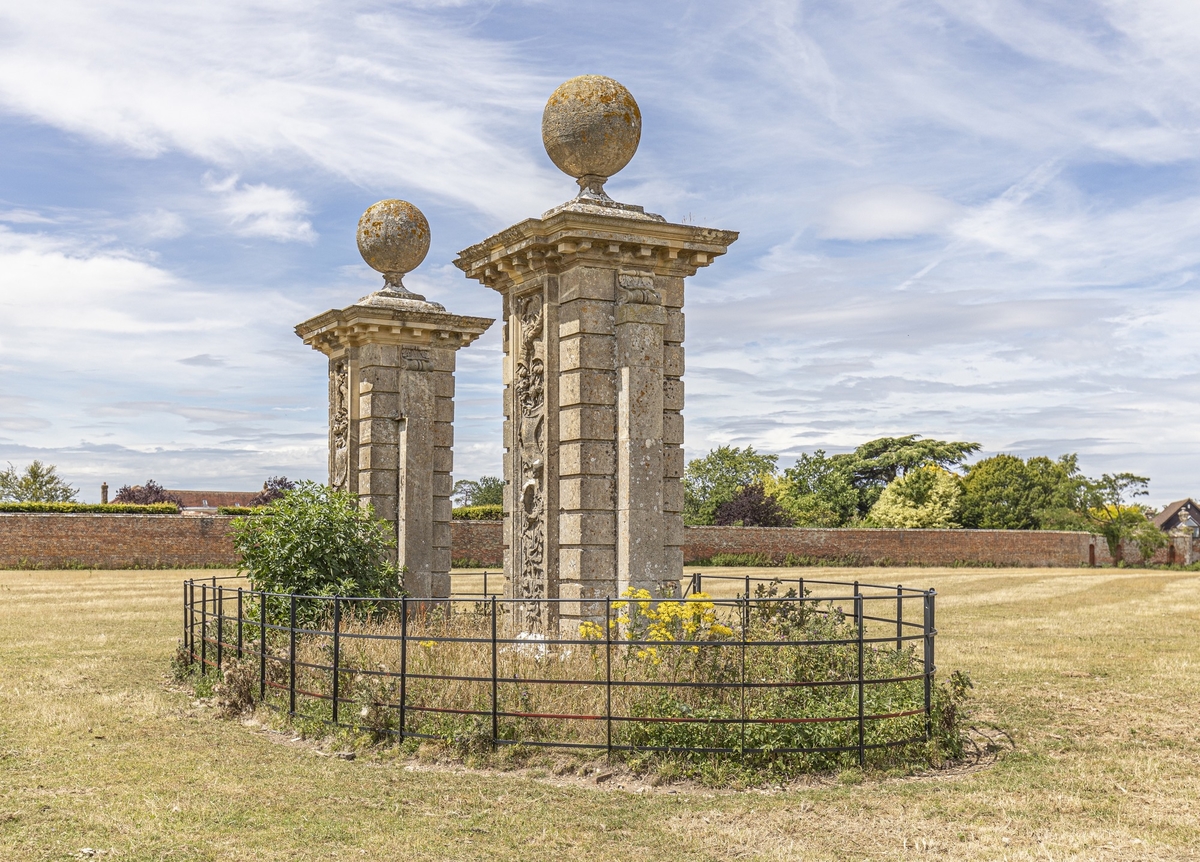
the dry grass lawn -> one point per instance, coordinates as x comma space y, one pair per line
1095, 673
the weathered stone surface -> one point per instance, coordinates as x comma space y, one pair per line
591, 125
587, 492
587, 457
391, 396
587, 386
592, 398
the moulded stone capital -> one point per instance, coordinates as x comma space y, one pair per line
566, 239
337, 330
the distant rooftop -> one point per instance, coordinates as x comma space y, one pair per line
212, 499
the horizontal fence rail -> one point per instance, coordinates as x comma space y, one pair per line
769, 666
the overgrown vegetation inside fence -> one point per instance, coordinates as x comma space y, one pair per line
761, 689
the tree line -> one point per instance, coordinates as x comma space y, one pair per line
911, 482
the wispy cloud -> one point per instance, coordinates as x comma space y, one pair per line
261, 210
972, 219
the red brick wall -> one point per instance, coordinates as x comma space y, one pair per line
897, 547
480, 541
114, 541
127, 541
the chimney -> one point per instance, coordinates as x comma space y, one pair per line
104, 492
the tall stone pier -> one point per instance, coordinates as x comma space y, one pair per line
593, 297
391, 396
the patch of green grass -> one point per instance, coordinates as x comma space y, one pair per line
1093, 672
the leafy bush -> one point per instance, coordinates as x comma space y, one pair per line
468, 563
490, 512
651, 647
487, 491
37, 484
92, 508
718, 477
272, 490
751, 507
146, 495
315, 541
240, 510
925, 498
735, 560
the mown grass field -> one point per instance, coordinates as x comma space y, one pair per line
1095, 674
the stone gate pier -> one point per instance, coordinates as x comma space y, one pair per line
593, 295
391, 396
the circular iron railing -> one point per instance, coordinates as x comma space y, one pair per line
827, 668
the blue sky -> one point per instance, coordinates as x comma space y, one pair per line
968, 220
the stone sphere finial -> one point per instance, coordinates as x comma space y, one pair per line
393, 238
591, 127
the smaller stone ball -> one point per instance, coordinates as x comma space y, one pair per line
591, 126
393, 237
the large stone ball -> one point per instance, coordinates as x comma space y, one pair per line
591, 125
393, 236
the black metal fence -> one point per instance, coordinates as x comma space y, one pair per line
856, 677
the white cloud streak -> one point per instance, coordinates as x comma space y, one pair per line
976, 220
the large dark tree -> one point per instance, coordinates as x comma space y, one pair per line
146, 495
272, 490
875, 464
1005, 492
719, 477
751, 507
37, 483
487, 491
817, 491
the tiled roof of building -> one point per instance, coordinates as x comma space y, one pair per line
196, 499
1173, 509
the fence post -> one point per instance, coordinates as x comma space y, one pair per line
204, 629
485, 589
292, 657
698, 577
186, 641
899, 617
262, 646
928, 625
191, 585
608, 675
745, 620
239, 629
220, 625
858, 613
495, 717
337, 652
403, 661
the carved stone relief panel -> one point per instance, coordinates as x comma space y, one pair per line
529, 389
416, 359
339, 422
637, 288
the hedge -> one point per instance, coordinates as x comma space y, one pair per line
491, 512
92, 508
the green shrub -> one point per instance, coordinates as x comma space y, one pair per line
735, 560
468, 563
240, 510
92, 508
315, 541
490, 512
650, 647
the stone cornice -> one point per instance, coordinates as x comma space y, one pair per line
357, 325
566, 238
